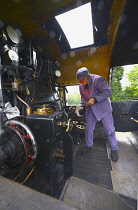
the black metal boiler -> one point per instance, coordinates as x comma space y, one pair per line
55, 149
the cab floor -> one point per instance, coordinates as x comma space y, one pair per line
97, 168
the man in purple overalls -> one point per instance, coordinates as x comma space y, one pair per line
94, 93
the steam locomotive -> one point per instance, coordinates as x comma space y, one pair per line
36, 148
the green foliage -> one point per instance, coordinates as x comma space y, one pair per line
133, 76
73, 99
131, 91
117, 75
73, 96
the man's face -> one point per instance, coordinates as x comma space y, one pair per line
84, 81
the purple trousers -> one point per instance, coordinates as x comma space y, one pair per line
108, 126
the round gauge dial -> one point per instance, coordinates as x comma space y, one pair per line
13, 55
9, 57
57, 73
12, 35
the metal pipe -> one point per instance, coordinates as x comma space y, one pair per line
134, 120
28, 176
28, 109
22, 101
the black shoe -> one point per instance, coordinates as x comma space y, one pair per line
114, 155
85, 149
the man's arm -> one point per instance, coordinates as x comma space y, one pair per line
104, 90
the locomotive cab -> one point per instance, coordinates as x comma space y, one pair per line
40, 133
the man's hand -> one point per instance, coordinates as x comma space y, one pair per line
90, 101
78, 108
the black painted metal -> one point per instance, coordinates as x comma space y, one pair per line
126, 46
94, 167
122, 113
1, 95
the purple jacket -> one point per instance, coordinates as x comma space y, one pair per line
98, 89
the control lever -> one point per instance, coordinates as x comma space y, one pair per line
80, 127
134, 120
69, 125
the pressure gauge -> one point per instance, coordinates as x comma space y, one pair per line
57, 73
10, 57
13, 55
12, 35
